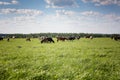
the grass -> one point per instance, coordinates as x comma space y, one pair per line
84, 59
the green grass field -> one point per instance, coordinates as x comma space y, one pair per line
84, 59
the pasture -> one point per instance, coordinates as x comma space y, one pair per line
84, 59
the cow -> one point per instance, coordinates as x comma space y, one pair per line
115, 37
71, 38
89, 36
13, 37
61, 39
1, 38
46, 40
28, 39
8, 39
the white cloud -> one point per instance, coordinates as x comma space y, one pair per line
9, 3
84, 14
20, 24
61, 3
7, 11
19, 20
28, 12
62, 21
65, 12
4, 3
31, 12
103, 2
14, 2
91, 13
112, 17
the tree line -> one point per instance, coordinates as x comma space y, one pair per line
36, 35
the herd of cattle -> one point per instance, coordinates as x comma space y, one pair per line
49, 39
115, 37
44, 39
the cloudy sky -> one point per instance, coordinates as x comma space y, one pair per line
64, 16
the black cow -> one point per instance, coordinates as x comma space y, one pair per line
71, 38
1, 38
8, 39
46, 40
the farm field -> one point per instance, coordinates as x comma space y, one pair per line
84, 59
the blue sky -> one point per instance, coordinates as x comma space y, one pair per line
60, 16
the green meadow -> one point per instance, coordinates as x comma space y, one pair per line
84, 59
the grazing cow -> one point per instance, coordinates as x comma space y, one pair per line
13, 37
71, 38
28, 39
46, 40
116, 37
89, 36
1, 38
8, 39
61, 39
